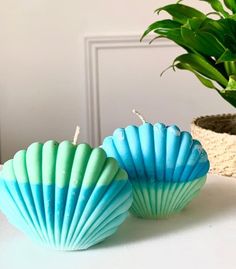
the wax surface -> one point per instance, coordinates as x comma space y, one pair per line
69, 197
167, 168
161, 199
158, 152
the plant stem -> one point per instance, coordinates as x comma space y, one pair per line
230, 68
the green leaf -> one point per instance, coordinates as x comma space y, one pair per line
210, 43
229, 94
194, 23
217, 6
181, 13
224, 30
168, 29
202, 66
206, 82
161, 27
215, 28
227, 56
233, 16
203, 42
229, 35
230, 4
175, 36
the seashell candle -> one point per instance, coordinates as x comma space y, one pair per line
167, 168
64, 195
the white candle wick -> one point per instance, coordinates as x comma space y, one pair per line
77, 132
139, 115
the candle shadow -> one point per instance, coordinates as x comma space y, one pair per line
216, 200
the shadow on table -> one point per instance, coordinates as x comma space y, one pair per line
217, 199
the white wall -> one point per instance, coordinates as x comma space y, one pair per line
43, 69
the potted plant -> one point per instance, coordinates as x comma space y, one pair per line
210, 44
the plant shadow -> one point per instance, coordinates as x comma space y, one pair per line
216, 200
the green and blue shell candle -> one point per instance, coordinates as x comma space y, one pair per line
65, 195
167, 168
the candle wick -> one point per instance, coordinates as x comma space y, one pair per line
77, 132
139, 115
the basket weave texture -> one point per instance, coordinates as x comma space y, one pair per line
218, 137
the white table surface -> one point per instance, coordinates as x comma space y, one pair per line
201, 236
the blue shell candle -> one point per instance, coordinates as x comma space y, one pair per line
167, 168
65, 195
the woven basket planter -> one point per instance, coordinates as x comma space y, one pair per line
218, 136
